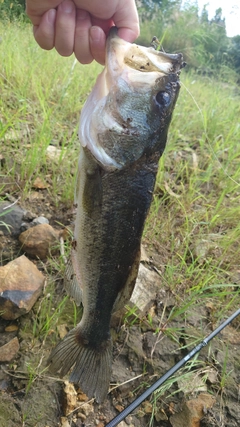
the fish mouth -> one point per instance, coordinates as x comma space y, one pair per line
130, 71
132, 61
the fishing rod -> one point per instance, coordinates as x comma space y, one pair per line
115, 421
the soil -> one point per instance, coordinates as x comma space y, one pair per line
31, 397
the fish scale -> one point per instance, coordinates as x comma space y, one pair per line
123, 132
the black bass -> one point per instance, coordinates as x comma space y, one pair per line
123, 132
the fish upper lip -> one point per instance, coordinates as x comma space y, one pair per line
139, 58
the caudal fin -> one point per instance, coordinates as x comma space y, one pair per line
92, 367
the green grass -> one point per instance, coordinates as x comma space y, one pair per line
41, 98
192, 232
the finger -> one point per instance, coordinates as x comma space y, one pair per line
98, 44
36, 9
44, 32
128, 34
105, 24
127, 21
82, 43
65, 28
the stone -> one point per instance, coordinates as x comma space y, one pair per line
147, 407
40, 220
11, 218
193, 411
9, 350
147, 287
11, 328
21, 284
86, 408
40, 241
64, 422
69, 402
25, 226
53, 153
28, 216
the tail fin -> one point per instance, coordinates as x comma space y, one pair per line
92, 367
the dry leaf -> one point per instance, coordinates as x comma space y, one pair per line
168, 189
40, 184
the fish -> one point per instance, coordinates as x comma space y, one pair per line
123, 133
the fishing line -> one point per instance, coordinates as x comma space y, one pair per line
120, 417
207, 137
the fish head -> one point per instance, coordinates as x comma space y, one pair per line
129, 110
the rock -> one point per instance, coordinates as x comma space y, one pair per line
119, 408
193, 411
39, 241
40, 220
9, 350
81, 397
86, 408
147, 407
11, 218
53, 153
28, 216
64, 422
11, 328
148, 285
21, 284
69, 402
62, 330
25, 226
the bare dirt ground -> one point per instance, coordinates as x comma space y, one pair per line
146, 345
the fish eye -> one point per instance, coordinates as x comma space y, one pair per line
163, 98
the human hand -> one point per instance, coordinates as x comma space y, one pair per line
81, 26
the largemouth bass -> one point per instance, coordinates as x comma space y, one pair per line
123, 132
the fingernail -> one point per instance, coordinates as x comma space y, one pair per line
51, 16
67, 6
95, 34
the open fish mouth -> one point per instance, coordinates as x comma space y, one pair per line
136, 64
130, 70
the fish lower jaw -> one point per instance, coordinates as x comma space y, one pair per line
101, 157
